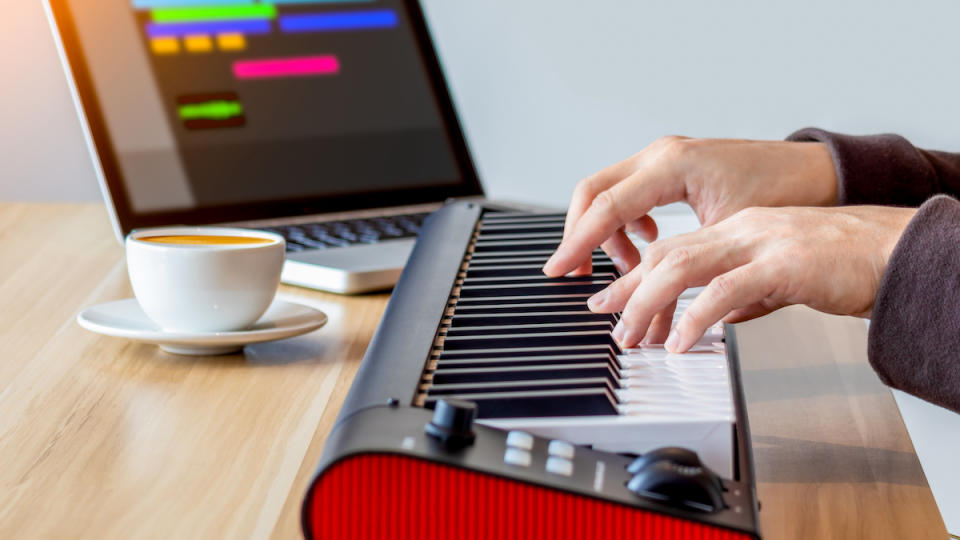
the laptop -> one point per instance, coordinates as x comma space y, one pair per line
328, 122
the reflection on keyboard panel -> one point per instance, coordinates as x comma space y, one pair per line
330, 234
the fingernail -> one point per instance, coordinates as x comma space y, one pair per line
673, 341
618, 331
599, 299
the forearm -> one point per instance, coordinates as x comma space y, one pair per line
914, 342
886, 169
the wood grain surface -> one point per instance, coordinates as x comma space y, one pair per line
104, 438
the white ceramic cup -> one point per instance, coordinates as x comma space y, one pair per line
205, 287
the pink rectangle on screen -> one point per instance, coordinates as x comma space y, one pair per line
301, 66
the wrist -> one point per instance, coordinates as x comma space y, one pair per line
820, 173
899, 219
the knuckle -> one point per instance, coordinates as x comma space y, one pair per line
584, 188
668, 140
679, 258
652, 255
606, 203
675, 148
749, 213
722, 286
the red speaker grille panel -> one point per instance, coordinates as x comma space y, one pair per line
399, 497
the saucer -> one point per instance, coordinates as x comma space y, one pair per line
124, 318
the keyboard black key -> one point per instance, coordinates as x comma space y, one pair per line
492, 219
545, 307
545, 339
466, 320
518, 329
547, 403
611, 351
525, 373
513, 386
492, 258
519, 237
525, 270
539, 228
510, 246
515, 361
573, 286
526, 299
537, 279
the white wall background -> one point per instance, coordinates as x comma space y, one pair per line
551, 90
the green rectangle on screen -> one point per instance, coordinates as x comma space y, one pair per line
214, 13
211, 110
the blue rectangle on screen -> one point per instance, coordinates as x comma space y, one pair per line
247, 26
332, 22
148, 4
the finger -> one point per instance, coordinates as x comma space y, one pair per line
613, 298
743, 286
657, 251
621, 251
684, 267
609, 210
660, 326
589, 187
748, 313
583, 196
644, 227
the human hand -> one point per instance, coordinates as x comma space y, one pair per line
717, 177
752, 263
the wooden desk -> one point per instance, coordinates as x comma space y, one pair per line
102, 438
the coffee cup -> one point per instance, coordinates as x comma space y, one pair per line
204, 279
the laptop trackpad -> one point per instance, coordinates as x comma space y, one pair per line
359, 258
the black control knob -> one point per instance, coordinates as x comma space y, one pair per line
696, 488
675, 454
452, 423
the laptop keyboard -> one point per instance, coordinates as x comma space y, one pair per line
330, 234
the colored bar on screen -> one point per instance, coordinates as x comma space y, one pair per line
165, 45
231, 42
212, 110
332, 22
303, 66
251, 26
198, 43
150, 4
214, 13
305, 2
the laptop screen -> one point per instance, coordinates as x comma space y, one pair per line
216, 110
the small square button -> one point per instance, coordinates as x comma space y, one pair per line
520, 439
517, 457
561, 449
559, 466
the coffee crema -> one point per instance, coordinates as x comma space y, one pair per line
204, 240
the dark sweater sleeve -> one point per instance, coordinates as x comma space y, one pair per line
914, 342
886, 169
